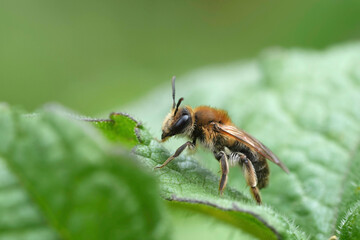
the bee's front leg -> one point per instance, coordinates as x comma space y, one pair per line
177, 153
224, 165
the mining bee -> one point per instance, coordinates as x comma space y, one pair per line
230, 145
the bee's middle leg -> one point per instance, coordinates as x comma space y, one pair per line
224, 165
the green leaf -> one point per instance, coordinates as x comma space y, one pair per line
59, 181
193, 225
304, 105
119, 127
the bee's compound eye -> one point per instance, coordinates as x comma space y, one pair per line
181, 123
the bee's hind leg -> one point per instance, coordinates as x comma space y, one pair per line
224, 165
250, 176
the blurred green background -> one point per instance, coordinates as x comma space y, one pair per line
97, 55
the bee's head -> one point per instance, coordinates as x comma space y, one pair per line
179, 120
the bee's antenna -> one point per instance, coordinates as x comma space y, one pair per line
177, 105
173, 91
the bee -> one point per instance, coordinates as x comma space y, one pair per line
230, 145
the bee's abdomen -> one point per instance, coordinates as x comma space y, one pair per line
262, 172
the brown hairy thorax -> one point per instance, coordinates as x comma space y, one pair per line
204, 115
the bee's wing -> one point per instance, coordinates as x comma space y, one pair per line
251, 142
